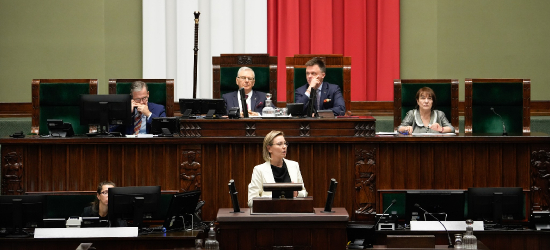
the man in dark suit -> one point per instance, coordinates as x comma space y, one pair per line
255, 100
329, 96
143, 111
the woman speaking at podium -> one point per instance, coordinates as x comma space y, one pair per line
276, 168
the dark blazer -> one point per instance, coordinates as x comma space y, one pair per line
257, 101
157, 110
331, 98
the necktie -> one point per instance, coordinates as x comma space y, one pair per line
137, 123
245, 100
318, 98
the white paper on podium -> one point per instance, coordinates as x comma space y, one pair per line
450, 225
91, 232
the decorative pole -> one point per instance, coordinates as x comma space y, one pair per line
196, 49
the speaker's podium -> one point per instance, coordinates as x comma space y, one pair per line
287, 223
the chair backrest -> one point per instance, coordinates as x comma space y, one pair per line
510, 98
404, 95
161, 91
338, 72
59, 99
226, 66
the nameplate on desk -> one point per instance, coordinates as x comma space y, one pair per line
97, 232
450, 225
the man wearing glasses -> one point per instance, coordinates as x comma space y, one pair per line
142, 110
255, 100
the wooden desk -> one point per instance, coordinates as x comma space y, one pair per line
307, 231
480, 245
169, 240
325, 149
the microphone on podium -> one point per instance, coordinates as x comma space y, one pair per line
392, 202
501, 120
448, 237
243, 103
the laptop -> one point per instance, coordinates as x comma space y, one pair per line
295, 109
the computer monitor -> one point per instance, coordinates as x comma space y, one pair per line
133, 203
202, 106
493, 204
105, 110
21, 211
183, 205
443, 204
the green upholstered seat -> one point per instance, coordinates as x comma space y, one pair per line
338, 71
59, 99
161, 91
226, 67
446, 92
510, 98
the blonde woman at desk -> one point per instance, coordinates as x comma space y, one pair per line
425, 118
276, 168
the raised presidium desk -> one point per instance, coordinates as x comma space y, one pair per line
317, 230
208, 153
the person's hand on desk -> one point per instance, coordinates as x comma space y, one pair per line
407, 130
251, 113
437, 127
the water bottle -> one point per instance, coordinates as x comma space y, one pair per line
211, 242
470, 240
268, 110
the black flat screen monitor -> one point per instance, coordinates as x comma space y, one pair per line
295, 109
169, 123
203, 106
182, 206
443, 204
21, 211
493, 204
133, 203
105, 110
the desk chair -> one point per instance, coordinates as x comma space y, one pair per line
161, 91
338, 72
510, 98
404, 98
226, 66
59, 99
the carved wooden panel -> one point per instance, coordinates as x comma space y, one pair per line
364, 206
190, 171
540, 180
12, 174
190, 129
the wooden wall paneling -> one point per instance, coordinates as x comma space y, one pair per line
366, 165
101, 157
495, 166
481, 165
145, 163
539, 169
452, 163
428, 176
467, 165
83, 167
172, 160
510, 166
400, 162
115, 163
523, 158
210, 185
129, 165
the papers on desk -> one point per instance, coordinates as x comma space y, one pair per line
450, 225
91, 232
141, 136
386, 133
433, 134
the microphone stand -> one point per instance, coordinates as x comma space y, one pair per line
311, 109
501, 120
196, 49
448, 237
392, 202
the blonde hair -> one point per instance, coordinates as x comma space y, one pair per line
268, 141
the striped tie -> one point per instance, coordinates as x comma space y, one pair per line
137, 123
246, 98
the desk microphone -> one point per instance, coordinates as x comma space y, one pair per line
243, 103
503, 126
448, 237
392, 202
